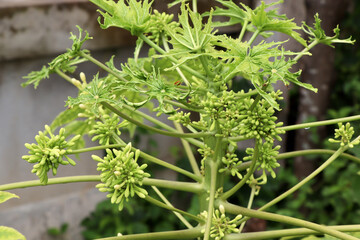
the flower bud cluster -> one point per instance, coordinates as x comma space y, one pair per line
221, 224
344, 135
181, 117
158, 22
231, 162
260, 122
121, 175
49, 152
205, 152
103, 130
267, 158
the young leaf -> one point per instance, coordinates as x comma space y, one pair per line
66, 116
8, 233
133, 17
4, 196
316, 33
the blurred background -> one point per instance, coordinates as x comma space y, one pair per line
33, 32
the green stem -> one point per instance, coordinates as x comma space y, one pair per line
183, 106
251, 200
293, 154
89, 149
306, 50
51, 181
167, 202
175, 185
316, 151
214, 171
307, 179
161, 124
243, 30
254, 36
64, 76
234, 209
205, 65
251, 170
277, 234
169, 166
174, 60
101, 65
140, 124
188, 151
163, 205
320, 123
169, 235
194, 6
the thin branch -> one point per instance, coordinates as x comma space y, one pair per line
287, 233
169, 235
140, 124
234, 209
167, 202
51, 181
320, 123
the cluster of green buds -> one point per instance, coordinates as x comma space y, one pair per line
205, 152
267, 158
221, 224
231, 162
104, 130
49, 152
259, 122
121, 175
344, 134
158, 23
181, 117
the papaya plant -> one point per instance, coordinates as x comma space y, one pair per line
188, 73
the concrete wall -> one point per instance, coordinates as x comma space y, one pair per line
30, 37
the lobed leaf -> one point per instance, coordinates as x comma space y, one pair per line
4, 196
8, 233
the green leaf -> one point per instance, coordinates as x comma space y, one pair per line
316, 33
66, 116
65, 62
266, 96
8, 233
4, 196
192, 37
133, 16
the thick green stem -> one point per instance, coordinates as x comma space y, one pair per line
167, 202
320, 123
175, 185
51, 181
163, 205
214, 171
234, 209
188, 151
140, 124
169, 235
287, 233
251, 170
